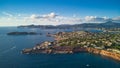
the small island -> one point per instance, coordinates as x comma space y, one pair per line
22, 33
102, 43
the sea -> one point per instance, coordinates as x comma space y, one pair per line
11, 56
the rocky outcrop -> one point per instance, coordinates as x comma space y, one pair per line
93, 50
68, 50
110, 54
79, 49
104, 53
54, 50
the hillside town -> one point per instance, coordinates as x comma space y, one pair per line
103, 43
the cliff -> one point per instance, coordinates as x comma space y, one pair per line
68, 50
104, 53
110, 54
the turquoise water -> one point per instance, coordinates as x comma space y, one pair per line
11, 57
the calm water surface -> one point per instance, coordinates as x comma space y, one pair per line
11, 57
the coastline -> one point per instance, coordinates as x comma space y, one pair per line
54, 47
69, 50
104, 53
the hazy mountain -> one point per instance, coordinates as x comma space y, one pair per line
108, 24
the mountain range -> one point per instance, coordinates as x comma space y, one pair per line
108, 24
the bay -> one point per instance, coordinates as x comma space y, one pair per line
11, 57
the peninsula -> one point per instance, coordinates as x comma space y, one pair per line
102, 43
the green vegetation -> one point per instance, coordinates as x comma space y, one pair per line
103, 40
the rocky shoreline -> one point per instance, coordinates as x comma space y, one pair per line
70, 50
104, 53
65, 44
55, 50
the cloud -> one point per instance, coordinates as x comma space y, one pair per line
7, 14
33, 16
19, 15
95, 19
47, 16
54, 18
69, 20
51, 15
116, 19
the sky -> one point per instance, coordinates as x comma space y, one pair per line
56, 12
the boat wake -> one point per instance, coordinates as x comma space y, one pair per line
13, 47
7, 50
